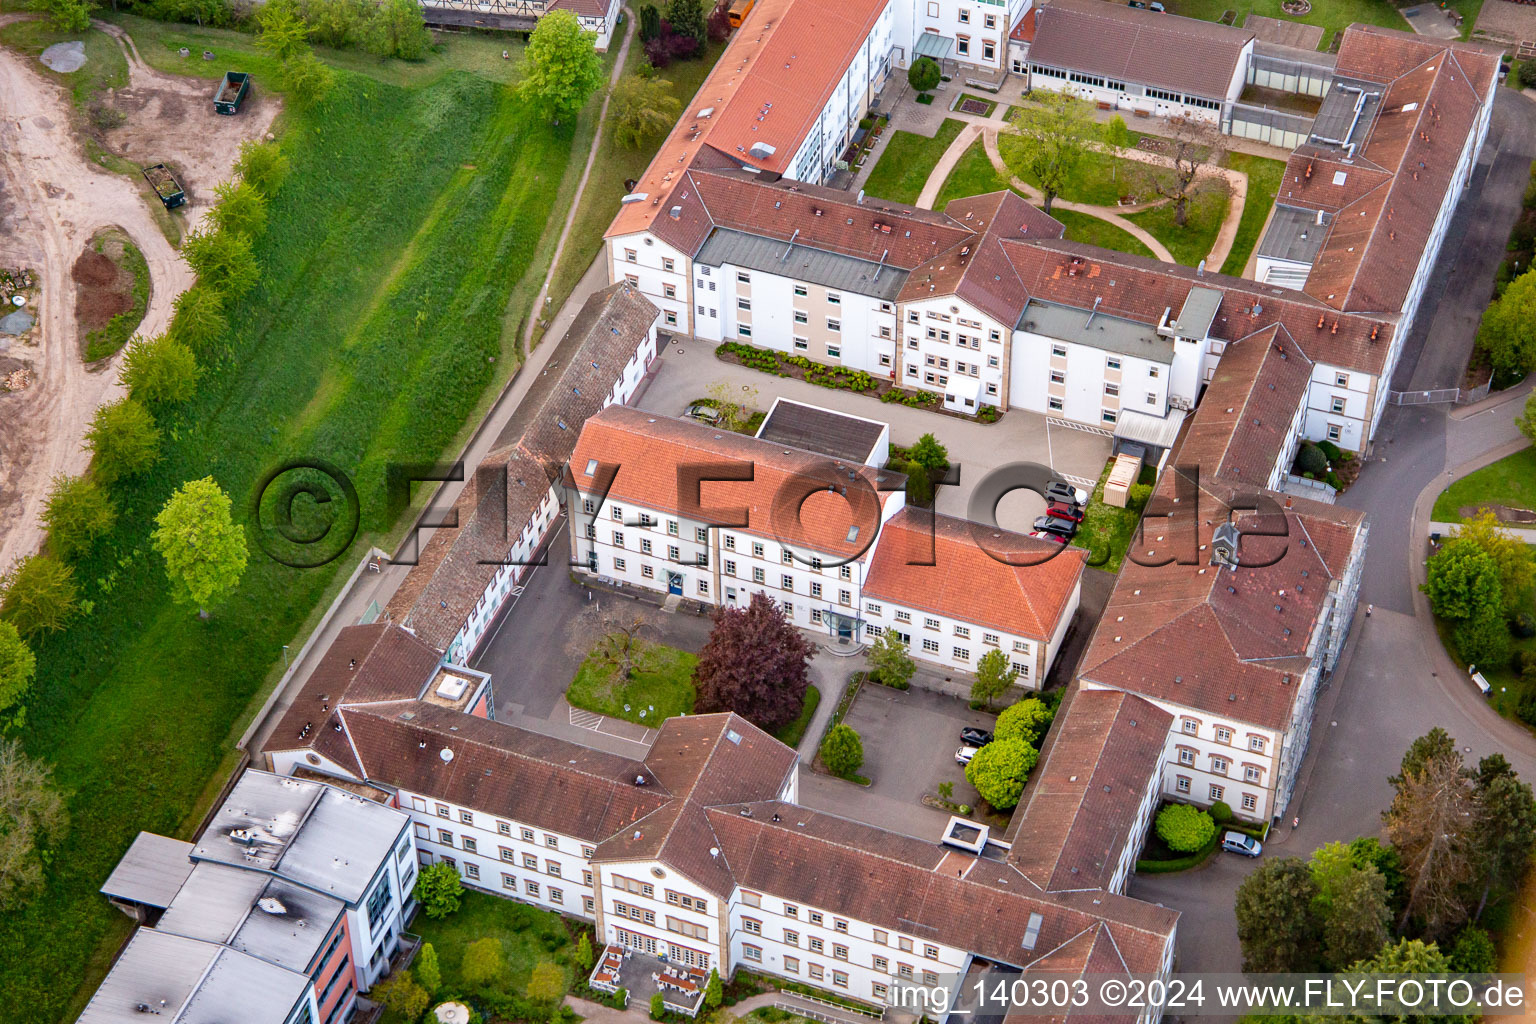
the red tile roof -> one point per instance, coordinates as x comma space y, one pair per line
989, 577
789, 497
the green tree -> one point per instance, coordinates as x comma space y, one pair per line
919, 485
439, 890
1357, 920
1368, 850
1277, 923
76, 512
1508, 331
38, 595
1462, 580
929, 454
1483, 640
842, 751
1408, 956
1184, 828
263, 166
203, 547
1474, 952
658, 1007
1049, 139
924, 75
484, 964
1118, 138
1504, 813
428, 972
199, 319
994, 674
714, 992
283, 33
1527, 421
687, 18
66, 15
124, 440
560, 67
1027, 720
547, 982
889, 660
401, 994
999, 771
1221, 812
641, 108
17, 666
241, 208
1514, 558
584, 958
33, 820
159, 371
398, 30
222, 259
335, 23
650, 23
307, 78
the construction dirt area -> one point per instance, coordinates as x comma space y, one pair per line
53, 199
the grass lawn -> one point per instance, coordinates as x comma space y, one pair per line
1090, 230
973, 175
1333, 15
411, 220
108, 339
660, 686
1191, 243
1107, 531
907, 161
991, 105
614, 165
105, 66
528, 935
1510, 481
794, 732
1264, 176
1100, 180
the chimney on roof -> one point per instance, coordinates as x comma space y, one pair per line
1335, 328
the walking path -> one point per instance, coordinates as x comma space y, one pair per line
989, 127
570, 218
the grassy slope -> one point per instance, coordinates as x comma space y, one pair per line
1333, 15
662, 680
907, 161
410, 215
1510, 481
1263, 182
614, 165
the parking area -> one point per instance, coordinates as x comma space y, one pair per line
910, 738
688, 368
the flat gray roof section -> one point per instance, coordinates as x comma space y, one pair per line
151, 872
819, 430
1294, 234
1336, 123
801, 262
1198, 313
259, 819
1100, 330
1312, 58
243, 988
213, 902
1284, 33
1144, 428
287, 924
157, 970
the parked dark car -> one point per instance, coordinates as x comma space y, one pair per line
974, 737
1136, 3
1060, 490
1053, 524
1041, 535
1061, 510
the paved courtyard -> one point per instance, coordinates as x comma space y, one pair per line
688, 367
910, 738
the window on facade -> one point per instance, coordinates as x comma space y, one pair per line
961, 653
1059, 350
791, 938
445, 837
817, 945
1336, 405
1249, 803
834, 351
791, 965
1191, 726
471, 870
470, 846
787, 582
1152, 371
834, 298
527, 833
669, 291
965, 16
630, 256
1223, 734
1058, 377
1186, 756
648, 571
1216, 792
1256, 743
1341, 380
931, 952
904, 944
802, 317
988, 49
1054, 404
618, 564
834, 325
751, 899
745, 330
530, 862
844, 572
931, 646
508, 881
963, 45
1335, 431
442, 810
1251, 773
1182, 784
743, 277
815, 970
758, 576
752, 925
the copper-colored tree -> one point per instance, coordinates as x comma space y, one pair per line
754, 664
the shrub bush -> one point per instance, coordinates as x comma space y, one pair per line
1528, 74
1137, 496
439, 890
125, 440
1523, 625
999, 770
1184, 828
1311, 459
1027, 720
842, 751
1221, 812
76, 513
1331, 450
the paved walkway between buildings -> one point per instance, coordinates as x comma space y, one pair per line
597, 1013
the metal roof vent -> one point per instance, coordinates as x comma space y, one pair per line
761, 150
1032, 931
272, 905
733, 736
445, 754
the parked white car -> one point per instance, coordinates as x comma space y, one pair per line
965, 753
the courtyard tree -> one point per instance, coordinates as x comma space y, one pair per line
1355, 919
1410, 956
754, 664
204, 549
199, 319
38, 595
76, 512
1514, 558
1193, 144
687, 18
1277, 922
124, 440
484, 963
1368, 850
263, 166
1026, 720
439, 890
584, 958
999, 771
397, 29
1504, 814
642, 108
1527, 420
159, 371
33, 821
1466, 589
17, 666
1048, 140
1184, 828
889, 661
924, 75
241, 208
1117, 137
428, 971
560, 67
929, 454
222, 259
994, 674
650, 23
1431, 824
307, 78
1507, 333
621, 637
734, 404
842, 751
714, 992
919, 486
658, 1006
65, 15
402, 995
546, 983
